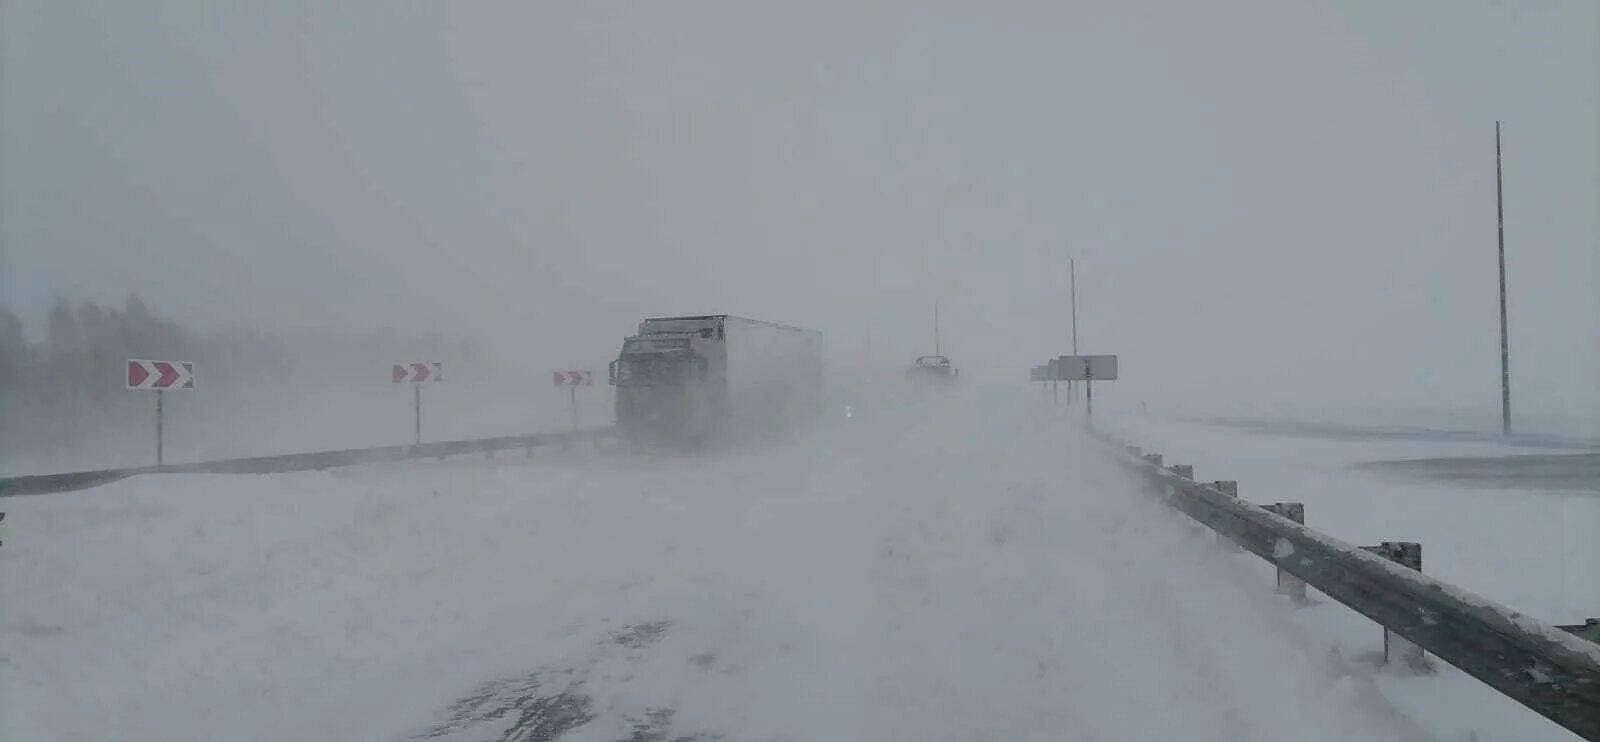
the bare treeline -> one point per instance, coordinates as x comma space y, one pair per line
65, 388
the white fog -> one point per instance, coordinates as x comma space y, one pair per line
782, 501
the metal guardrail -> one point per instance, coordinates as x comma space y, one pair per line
40, 484
1551, 671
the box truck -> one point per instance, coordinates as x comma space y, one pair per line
689, 380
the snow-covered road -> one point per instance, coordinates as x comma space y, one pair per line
963, 574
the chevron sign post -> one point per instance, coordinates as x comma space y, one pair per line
417, 374
160, 376
572, 380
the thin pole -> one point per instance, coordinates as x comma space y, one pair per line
160, 425
573, 396
416, 398
1505, 348
1072, 266
1088, 394
936, 327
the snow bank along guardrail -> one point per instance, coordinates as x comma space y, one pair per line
68, 481
1543, 667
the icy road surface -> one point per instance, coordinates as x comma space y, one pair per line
960, 575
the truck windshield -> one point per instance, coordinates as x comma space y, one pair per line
654, 369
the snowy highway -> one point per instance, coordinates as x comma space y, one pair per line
671, 372
966, 573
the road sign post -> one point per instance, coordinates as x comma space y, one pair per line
160, 428
159, 376
1086, 369
1088, 394
417, 374
572, 380
1041, 374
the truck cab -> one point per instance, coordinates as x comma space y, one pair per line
662, 379
684, 379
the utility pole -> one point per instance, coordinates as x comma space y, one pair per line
1072, 268
1505, 348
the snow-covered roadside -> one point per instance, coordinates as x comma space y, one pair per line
956, 575
1535, 550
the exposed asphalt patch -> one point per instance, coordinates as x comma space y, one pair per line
657, 727
527, 709
640, 635
544, 705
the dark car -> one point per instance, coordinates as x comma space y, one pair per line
935, 368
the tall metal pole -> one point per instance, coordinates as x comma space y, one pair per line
936, 327
573, 397
1072, 266
1505, 348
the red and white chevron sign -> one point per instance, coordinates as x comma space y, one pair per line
160, 374
418, 372
574, 378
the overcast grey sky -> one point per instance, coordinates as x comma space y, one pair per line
1271, 203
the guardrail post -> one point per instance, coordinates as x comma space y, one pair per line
1183, 470
1288, 584
1395, 647
1153, 485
